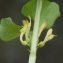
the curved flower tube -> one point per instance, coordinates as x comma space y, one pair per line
25, 31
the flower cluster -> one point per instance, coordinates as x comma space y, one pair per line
26, 29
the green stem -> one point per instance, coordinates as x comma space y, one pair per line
32, 56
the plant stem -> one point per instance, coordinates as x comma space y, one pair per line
32, 57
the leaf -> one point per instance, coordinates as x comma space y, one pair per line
8, 29
50, 11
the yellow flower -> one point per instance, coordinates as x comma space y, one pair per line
48, 36
25, 31
42, 27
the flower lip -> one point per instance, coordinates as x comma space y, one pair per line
25, 22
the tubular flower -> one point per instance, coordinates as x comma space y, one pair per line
25, 31
42, 27
48, 36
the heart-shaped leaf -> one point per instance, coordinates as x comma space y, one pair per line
8, 29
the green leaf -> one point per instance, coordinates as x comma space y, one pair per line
50, 11
8, 29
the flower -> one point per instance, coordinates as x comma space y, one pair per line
49, 35
42, 27
25, 31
